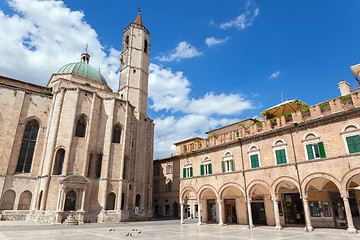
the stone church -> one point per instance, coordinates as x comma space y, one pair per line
75, 151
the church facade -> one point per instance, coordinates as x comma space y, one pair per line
75, 151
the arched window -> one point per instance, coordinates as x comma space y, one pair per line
70, 201
280, 153
27, 147
122, 201
137, 200
7, 201
80, 127
116, 134
89, 173
188, 170
110, 201
168, 186
98, 165
25, 200
145, 46
205, 167
59, 161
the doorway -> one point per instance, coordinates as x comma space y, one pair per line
230, 211
258, 212
293, 208
211, 210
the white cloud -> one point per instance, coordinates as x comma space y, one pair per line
213, 41
169, 91
182, 51
39, 37
275, 74
245, 19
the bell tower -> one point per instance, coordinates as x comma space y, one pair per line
134, 69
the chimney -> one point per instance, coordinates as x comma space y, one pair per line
344, 88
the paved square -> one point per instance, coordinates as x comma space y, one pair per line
170, 229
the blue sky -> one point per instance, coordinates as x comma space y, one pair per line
212, 62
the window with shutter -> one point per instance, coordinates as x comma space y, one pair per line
184, 172
353, 143
254, 161
223, 166
309, 149
202, 169
280, 156
191, 171
210, 168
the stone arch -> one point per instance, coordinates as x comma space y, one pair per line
253, 147
308, 134
346, 179
279, 141
206, 159
188, 162
116, 133
227, 152
25, 200
70, 201
277, 183
185, 190
34, 118
309, 178
230, 184
258, 182
8, 200
350, 124
205, 187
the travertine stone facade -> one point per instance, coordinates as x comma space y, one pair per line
92, 155
300, 168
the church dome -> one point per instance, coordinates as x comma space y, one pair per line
83, 68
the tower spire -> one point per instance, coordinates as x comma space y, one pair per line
85, 57
138, 18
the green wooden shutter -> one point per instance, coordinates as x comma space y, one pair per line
202, 169
237, 134
278, 157
283, 155
254, 161
350, 144
321, 149
223, 166
191, 172
310, 152
210, 168
184, 172
356, 141
232, 165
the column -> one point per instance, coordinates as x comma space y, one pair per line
276, 213
200, 213
83, 200
61, 196
351, 229
308, 226
248, 203
220, 202
182, 213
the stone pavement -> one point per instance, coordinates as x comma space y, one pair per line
169, 229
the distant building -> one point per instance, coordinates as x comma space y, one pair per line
75, 151
296, 165
166, 183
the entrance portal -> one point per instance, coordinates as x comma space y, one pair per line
293, 208
230, 208
258, 212
211, 210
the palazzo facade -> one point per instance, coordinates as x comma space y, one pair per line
295, 165
75, 151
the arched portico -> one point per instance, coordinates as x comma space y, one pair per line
208, 197
232, 199
351, 182
259, 204
288, 206
328, 202
188, 203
